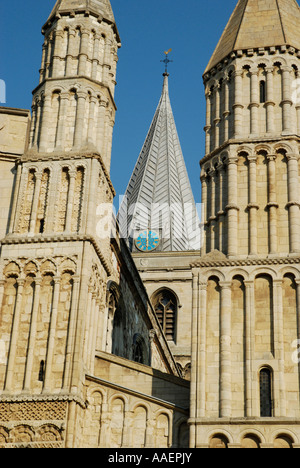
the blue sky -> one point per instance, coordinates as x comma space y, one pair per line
191, 28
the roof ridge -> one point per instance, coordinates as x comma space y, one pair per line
243, 16
281, 22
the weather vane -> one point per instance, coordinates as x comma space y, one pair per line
166, 61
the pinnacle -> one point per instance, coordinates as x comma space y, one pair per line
259, 23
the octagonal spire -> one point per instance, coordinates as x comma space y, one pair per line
259, 23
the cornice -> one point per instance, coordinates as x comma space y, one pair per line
42, 239
34, 156
22, 398
207, 263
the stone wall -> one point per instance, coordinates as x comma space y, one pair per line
14, 127
132, 405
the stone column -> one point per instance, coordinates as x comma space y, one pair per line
221, 213
88, 315
83, 54
45, 124
225, 350
32, 335
2, 285
279, 411
249, 285
37, 124
293, 204
296, 101
226, 112
52, 196
109, 135
91, 355
212, 218
298, 309
36, 197
106, 61
95, 330
72, 175
70, 52
201, 358
150, 429
52, 332
252, 206
91, 126
60, 138
238, 106
272, 204
217, 119
15, 199
194, 342
95, 61
207, 127
270, 100
80, 116
59, 36
42, 70
254, 105
33, 124
101, 127
286, 100
14, 338
71, 333
232, 208
203, 211
48, 56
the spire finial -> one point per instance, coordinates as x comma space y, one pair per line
166, 61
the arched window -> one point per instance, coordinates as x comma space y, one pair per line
139, 353
165, 306
113, 311
265, 384
118, 333
262, 91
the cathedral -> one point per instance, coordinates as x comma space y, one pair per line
160, 327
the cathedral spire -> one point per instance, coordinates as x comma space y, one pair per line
159, 194
259, 24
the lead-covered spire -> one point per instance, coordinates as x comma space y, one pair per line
159, 195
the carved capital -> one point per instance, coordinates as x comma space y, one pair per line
252, 158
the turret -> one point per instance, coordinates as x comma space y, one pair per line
73, 106
252, 133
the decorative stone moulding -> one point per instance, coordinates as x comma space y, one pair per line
250, 53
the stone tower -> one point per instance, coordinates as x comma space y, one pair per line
55, 260
246, 286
